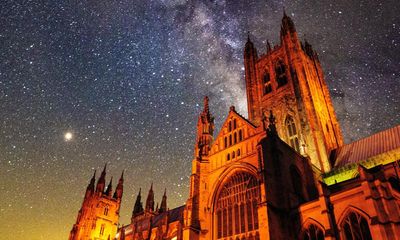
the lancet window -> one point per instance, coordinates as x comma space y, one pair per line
267, 83
280, 71
312, 232
236, 207
355, 227
292, 134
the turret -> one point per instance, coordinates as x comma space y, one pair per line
138, 208
120, 187
205, 131
109, 189
288, 33
287, 25
101, 183
253, 100
150, 200
163, 206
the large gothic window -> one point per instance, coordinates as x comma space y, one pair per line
280, 71
312, 232
355, 227
267, 83
236, 207
293, 137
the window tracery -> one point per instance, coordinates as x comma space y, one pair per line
355, 227
293, 138
312, 232
236, 207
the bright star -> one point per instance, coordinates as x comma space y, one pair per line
68, 136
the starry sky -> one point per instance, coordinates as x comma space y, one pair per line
125, 79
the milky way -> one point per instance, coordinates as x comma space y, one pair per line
126, 79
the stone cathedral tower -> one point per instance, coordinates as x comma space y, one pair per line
288, 79
99, 215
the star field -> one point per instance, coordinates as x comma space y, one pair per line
83, 83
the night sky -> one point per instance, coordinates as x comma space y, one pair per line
125, 79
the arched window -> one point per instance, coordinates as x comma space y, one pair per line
293, 138
228, 157
355, 227
229, 126
297, 183
225, 142
238, 152
240, 135
235, 138
230, 140
312, 232
238, 199
234, 124
280, 71
267, 83
233, 155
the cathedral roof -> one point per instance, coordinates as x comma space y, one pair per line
173, 215
366, 148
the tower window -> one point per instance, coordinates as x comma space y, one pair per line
267, 83
280, 71
102, 229
234, 123
240, 135
230, 126
225, 142
293, 138
235, 137
106, 211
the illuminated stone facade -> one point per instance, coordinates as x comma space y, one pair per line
99, 215
284, 173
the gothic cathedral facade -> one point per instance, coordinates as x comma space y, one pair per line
283, 173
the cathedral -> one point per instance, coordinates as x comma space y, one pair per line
282, 173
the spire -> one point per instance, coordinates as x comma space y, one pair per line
287, 24
102, 180
138, 208
109, 188
206, 108
269, 49
120, 187
249, 49
163, 206
90, 187
205, 130
150, 200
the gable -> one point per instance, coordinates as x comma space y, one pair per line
235, 129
